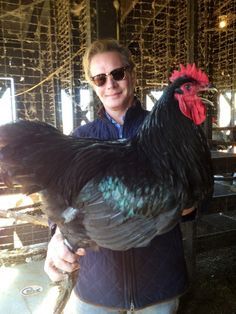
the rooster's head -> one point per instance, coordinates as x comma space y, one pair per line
194, 80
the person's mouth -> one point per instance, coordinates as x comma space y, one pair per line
114, 95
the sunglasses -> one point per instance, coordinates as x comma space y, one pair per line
117, 75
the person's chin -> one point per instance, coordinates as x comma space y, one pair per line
115, 100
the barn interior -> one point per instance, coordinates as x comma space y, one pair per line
42, 43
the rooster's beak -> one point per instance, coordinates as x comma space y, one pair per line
211, 88
207, 102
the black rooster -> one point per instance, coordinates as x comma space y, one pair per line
117, 194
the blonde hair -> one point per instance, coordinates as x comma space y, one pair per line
105, 45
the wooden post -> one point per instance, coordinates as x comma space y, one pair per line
107, 19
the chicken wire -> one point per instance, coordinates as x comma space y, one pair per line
217, 51
83, 17
49, 37
41, 45
217, 45
158, 34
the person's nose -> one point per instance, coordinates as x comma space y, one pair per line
110, 81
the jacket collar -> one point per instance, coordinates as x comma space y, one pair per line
131, 112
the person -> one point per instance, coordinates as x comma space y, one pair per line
145, 280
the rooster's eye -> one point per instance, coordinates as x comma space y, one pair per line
188, 86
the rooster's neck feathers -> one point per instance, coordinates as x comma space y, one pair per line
170, 140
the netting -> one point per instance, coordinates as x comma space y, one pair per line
157, 32
217, 28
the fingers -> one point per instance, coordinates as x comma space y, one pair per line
80, 252
53, 273
60, 259
67, 262
187, 211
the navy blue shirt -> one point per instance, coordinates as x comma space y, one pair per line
141, 276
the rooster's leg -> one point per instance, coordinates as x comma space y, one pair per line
65, 288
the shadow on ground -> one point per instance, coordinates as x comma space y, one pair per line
213, 289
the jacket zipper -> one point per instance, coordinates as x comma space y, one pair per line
132, 282
129, 279
131, 307
116, 131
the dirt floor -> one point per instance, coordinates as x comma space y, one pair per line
213, 288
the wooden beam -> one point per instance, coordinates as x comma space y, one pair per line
126, 8
17, 11
36, 220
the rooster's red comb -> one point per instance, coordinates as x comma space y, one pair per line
192, 71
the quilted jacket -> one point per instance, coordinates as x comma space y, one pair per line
139, 277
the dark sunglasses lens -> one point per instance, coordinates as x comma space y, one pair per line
100, 79
118, 74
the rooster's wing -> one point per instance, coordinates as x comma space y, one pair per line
102, 193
